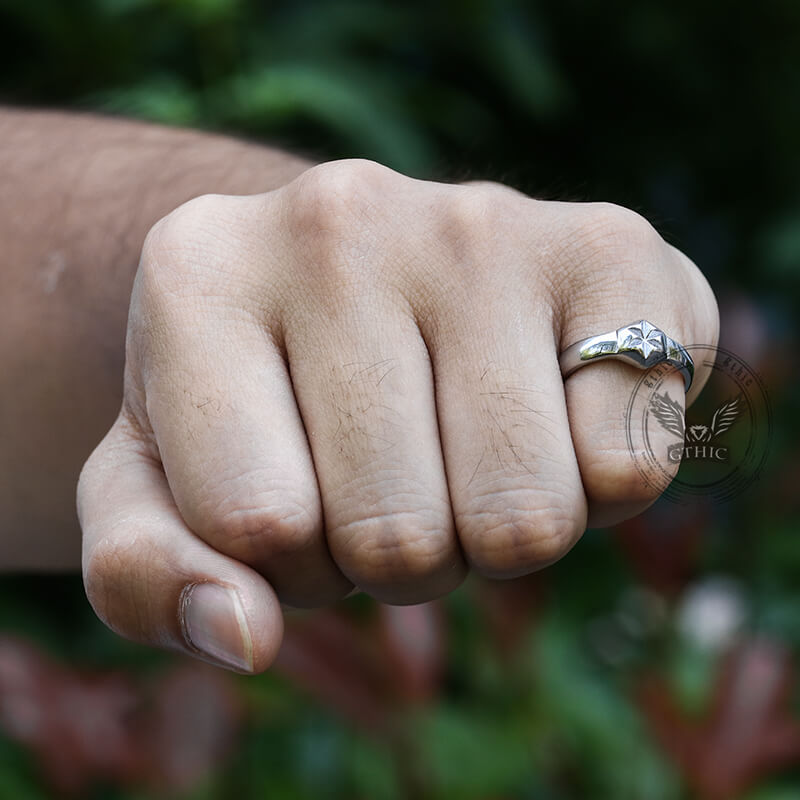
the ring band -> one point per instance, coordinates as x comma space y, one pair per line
639, 343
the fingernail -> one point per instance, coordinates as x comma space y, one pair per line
213, 623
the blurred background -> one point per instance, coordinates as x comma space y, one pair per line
659, 660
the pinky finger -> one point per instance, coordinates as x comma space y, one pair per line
150, 579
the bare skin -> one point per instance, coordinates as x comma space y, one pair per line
347, 380
77, 197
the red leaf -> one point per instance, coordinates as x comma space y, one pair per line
413, 639
664, 544
85, 727
331, 657
191, 725
510, 608
747, 732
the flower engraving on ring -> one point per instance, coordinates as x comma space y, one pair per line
644, 338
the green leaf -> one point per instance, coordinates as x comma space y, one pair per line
369, 124
162, 99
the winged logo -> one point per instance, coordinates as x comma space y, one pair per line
726, 415
670, 414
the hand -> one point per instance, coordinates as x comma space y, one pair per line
353, 381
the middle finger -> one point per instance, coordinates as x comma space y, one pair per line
367, 400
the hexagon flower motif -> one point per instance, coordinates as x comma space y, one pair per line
645, 338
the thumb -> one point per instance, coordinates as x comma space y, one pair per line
150, 579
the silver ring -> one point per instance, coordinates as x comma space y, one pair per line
639, 343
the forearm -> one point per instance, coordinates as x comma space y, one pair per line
78, 193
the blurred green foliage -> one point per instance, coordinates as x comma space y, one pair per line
686, 110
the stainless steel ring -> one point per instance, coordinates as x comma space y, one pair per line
639, 343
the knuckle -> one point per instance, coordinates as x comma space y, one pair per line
100, 567
399, 546
115, 577
474, 217
335, 209
485, 183
180, 228
616, 225
597, 241
330, 197
188, 237
477, 225
512, 541
266, 525
612, 477
87, 479
703, 302
603, 237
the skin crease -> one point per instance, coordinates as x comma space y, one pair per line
347, 379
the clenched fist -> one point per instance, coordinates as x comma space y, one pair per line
353, 381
